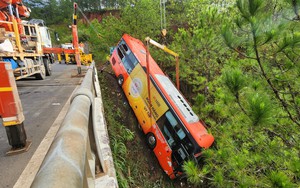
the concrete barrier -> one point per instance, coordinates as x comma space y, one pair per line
81, 144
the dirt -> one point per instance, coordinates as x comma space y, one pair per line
143, 166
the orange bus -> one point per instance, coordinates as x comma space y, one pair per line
172, 129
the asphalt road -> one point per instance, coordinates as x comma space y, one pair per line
42, 101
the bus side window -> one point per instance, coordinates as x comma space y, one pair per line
125, 48
133, 60
127, 65
120, 54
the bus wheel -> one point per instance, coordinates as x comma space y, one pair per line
120, 80
151, 140
140, 127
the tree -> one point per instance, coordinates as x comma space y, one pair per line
270, 49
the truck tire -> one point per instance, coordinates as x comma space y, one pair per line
42, 74
47, 65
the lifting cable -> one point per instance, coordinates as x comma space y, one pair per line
90, 24
163, 17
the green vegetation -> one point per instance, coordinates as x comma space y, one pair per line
239, 67
132, 158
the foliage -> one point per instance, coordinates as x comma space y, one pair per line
260, 109
131, 164
51, 11
239, 67
234, 80
280, 179
119, 135
194, 174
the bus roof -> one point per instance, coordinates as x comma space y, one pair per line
178, 99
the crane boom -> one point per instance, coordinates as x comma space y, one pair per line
75, 39
164, 48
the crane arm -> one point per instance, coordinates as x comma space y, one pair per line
164, 48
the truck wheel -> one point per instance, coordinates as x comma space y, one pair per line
41, 75
151, 140
47, 65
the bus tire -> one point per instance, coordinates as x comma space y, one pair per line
120, 80
151, 140
140, 127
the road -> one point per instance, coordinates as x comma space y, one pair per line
42, 101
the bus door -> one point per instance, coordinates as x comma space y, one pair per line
176, 138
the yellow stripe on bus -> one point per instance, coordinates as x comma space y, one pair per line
4, 89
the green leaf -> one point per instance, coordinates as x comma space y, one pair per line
234, 80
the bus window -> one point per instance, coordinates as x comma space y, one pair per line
127, 65
180, 133
166, 128
125, 47
133, 59
171, 119
127, 57
120, 54
169, 137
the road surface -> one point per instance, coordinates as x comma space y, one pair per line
42, 101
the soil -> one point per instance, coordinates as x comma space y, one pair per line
143, 166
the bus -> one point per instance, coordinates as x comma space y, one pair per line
173, 131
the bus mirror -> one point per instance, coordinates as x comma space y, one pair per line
111, 49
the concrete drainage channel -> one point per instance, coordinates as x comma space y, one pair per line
80, 155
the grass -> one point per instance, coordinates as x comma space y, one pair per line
135, 163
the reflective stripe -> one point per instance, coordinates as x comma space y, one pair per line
14, 118
9, 123
4, 89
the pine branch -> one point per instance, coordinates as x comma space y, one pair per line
295, 7
270, 132
286, 54
275, 91
242, 54
239, 103
291, 92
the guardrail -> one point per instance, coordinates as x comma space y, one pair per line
80, 155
